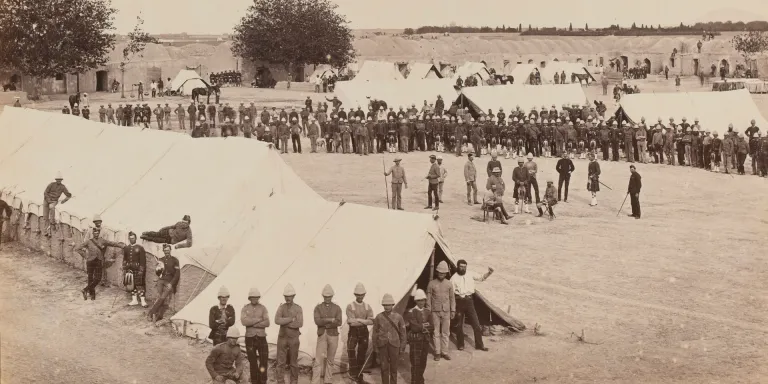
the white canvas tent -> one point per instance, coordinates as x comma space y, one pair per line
522, 73
142, 180
187, 80
526, 96
552, 67
394, 93
473, 69
323, 71
377, 71
321, 251
420, 71
715, 110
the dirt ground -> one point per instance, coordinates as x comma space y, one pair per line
677, 297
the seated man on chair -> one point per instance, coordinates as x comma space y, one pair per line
492, 203
179, 235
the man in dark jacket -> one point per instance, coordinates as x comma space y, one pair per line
173, 234
221, 317
169, 272
94, 250
135, 263
634, 191
564, 168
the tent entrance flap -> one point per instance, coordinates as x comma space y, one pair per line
486, 312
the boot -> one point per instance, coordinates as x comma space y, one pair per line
594, 201
507, 156
133, 301
517, 209
541, 212
143, 302
525, 209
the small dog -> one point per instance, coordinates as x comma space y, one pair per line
320, 142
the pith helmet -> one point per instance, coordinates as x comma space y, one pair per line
289, 291
223, 292
254, 292
327, 291
359, 289
387, 299
233, 333
443, 267
420, 295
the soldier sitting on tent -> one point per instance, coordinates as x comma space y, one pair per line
179, 235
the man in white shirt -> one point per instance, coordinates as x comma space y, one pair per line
464, 288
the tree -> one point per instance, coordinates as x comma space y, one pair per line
634, 26
51, 37
586, 27
520, 27
409, 31
294, 33
750, 44
570, 27
529, 27
137, 40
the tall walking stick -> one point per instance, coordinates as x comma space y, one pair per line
383, 166
622, 204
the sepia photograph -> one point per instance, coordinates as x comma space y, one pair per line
315, 192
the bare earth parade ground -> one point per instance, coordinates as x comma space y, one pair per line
677, 297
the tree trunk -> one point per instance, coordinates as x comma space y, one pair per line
122, 83
77, 76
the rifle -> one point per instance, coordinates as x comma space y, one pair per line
386, 190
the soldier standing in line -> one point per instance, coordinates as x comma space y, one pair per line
102, 114
669, 145
86, 112
441, 302
443, 175
389, 338
284, 132
398, 180
180, 115
167, 115
221, 317
110, 114
290, 318
255, 318
419, 326
532, 169
128, 116
657, 143
629, 134
295, 135
159, 114
359, 317
119, 115
605, 140
717, 148
327, 317
192, 111
615, 139
707, 152
313, 131
641, 138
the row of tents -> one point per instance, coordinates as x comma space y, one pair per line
479, 99
715, 110
140, 180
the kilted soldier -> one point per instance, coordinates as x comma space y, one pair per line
533, 137
593, 178
418, 324
346, 136
93, 250
359, 317
370, 134
389, 338
221, 317
135, 264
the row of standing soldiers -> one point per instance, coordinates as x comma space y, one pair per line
227, 77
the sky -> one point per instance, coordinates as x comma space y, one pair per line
219, 16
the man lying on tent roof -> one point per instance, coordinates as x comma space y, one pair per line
174, 234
